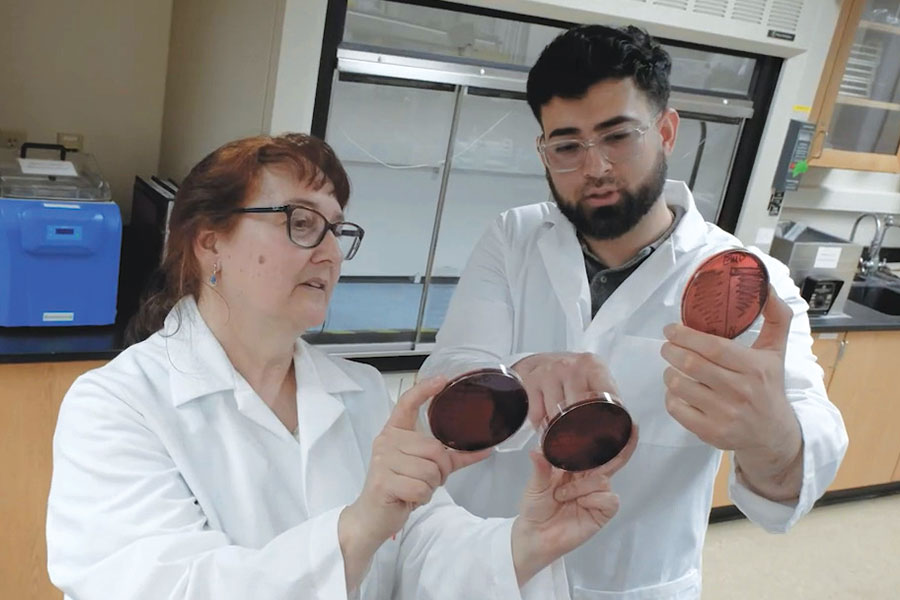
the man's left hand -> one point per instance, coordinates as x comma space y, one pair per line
733, 397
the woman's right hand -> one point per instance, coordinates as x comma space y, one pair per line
406, 468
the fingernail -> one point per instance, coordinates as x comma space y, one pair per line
669, 330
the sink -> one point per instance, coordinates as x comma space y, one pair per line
883, 299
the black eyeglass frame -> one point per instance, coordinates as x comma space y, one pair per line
357, 232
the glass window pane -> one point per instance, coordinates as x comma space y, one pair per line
386, 24
392, 141
495, 167
864, 129
867, 109
447, 33
710, 71
706, 147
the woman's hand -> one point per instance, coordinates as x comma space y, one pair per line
561, 510
406, 468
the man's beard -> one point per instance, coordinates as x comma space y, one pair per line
615, 220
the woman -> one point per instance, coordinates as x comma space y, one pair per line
223, 457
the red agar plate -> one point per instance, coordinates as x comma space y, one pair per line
478, 409
587, 434
726, 293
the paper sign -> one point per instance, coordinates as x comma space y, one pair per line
827, 257
765, 235
827, 336
42, 166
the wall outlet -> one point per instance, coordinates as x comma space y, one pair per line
12, 138
70, 141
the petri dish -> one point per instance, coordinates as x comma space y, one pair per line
726, 293
587, 434
478, 409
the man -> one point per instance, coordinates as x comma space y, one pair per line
576, 293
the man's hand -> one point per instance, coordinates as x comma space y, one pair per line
555, 380
733, 397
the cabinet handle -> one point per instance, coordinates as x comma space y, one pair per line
841, 351
821, 146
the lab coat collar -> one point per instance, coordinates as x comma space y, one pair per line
691, 231
325, 371
198, 365
563, 258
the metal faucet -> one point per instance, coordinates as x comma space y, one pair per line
882, 224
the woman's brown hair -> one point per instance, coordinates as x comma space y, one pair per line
206, 199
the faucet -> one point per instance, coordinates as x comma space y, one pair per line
882, 224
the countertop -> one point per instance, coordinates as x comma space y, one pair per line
855, 317
48, 344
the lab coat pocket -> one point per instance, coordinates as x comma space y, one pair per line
637, 367
686, 587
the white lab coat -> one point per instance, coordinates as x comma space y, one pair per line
525, 290
173, 480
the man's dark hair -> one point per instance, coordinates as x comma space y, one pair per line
580, 57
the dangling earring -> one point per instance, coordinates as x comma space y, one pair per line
213, 280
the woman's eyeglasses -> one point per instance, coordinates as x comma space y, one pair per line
306, 227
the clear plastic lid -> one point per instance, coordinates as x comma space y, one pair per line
49, 172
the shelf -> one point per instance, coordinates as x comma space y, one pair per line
883, 27
865, 102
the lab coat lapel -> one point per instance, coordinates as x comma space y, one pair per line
255, 409
330, 450
564, 263
634, 291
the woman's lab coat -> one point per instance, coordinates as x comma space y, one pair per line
172, 479
525, 290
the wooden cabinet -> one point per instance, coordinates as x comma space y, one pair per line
828, 348
30, 395
858, 369
865, 389
857, 105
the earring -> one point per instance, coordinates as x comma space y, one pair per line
213, 280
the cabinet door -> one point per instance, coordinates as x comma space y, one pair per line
865, 390
827, 348
857, 106
720, 487
29, 403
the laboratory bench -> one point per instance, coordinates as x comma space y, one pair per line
52, 344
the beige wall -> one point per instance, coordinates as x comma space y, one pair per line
220, 77
95, 67
298, 60
236, 69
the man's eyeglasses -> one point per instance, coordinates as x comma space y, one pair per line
307, 227
616, 147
